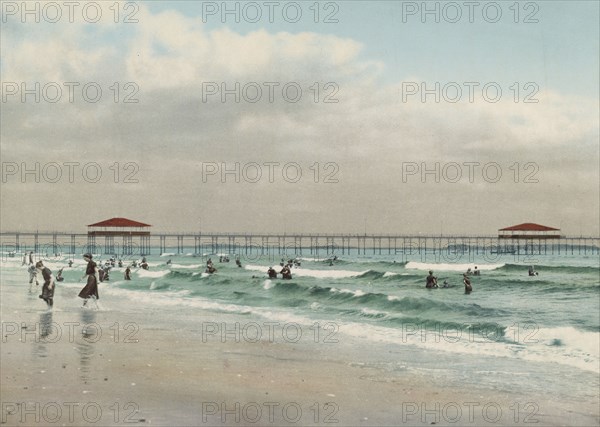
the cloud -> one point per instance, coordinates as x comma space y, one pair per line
369, 133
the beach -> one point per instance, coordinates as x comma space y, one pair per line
308, 213
130, 361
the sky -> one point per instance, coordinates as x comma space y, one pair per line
332, 117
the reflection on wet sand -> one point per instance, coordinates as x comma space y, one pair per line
48, 333
85, 346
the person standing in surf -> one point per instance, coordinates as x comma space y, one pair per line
431, 281
286, 273
210, 268
467, 282
91, 287
32, 276
48, 288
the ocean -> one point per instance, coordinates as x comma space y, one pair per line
513, 332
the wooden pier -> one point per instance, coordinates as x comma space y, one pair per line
319, 245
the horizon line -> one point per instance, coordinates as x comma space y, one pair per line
311, 234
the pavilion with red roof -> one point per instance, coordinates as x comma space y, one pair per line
529, 230
120, 227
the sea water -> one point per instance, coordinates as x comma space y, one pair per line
514, 332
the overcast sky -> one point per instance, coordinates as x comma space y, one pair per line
331, 130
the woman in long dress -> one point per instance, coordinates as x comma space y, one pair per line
91, 288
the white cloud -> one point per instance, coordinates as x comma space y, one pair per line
369, 133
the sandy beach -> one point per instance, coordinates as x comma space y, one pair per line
300, 213
113, 367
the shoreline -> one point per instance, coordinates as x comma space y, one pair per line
166, 379
151, 367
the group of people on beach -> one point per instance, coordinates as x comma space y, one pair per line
431, 281
93, 273
286, 271
104, 268
49, 285
473, 272
210, 267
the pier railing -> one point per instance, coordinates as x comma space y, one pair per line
448, 247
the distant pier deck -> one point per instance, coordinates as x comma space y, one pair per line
322, 245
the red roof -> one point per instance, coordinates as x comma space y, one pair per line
119, 222
529, 226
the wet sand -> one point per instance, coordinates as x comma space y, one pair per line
151, 367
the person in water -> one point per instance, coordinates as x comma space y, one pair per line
90, 290
238, 263
127, 273
272, 273
210, 268
169, 262
467, 282
30, 257
70, 263
48, 287
120, 264
59, 277
431, 281
32, 275
286, 273
532, 271
445, 285
476, 272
